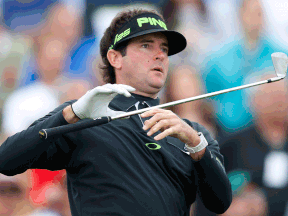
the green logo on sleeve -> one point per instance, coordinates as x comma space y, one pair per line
153, 146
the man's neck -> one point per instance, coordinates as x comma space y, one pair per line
251, 40
154, 96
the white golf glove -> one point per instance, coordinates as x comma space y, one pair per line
95, 102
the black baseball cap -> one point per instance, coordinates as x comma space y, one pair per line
147, 23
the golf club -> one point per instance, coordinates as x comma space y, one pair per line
280, 63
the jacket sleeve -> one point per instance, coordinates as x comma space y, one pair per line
213, 185
25, 150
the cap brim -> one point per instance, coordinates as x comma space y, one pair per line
176, 41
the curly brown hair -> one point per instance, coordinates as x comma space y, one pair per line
108, 72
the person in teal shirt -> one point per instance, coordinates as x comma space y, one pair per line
231, 64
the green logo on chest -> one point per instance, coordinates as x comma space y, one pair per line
153, 146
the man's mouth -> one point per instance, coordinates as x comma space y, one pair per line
160, 69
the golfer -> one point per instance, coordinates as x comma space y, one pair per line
149, 164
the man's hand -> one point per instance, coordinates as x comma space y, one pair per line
95, 102
171, 125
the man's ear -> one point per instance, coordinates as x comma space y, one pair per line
115, 58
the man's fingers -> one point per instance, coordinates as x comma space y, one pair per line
158, 114
152, 121
122, 89
101, 90
162, 124
155, 111
109, 88
149, 113
164, 134
112, 88
119, 90
163, 120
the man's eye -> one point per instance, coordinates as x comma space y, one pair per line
145, 45
165, 50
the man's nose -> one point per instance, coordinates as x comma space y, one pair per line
160, 55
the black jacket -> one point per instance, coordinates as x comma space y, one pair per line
115, 169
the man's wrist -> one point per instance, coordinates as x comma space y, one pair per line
69, 115
200, 146
197, 152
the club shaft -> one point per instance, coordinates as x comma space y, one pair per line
50, 132
173, 103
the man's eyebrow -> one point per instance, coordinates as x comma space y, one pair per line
165, 44
152, 41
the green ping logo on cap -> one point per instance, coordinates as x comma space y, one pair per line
153, 146
136, 25
151, 21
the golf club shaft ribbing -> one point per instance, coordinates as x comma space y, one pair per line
45, 133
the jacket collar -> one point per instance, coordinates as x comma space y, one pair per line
122, 103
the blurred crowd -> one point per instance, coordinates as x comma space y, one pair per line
49, 54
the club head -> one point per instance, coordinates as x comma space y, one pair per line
280, 63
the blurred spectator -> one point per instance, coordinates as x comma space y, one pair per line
51, 51
42, 95
20, 15
197, 20
262, 149
250, 202
184, 82
82, 56
14, 51
52, 45
75, 89
63, 22
56, 203
229, 65
14, 195
205, 24
43, 17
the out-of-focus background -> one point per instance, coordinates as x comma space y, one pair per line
49, 53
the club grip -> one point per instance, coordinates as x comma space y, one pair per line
50, 132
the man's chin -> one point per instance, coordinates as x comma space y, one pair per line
155, 89
157, 85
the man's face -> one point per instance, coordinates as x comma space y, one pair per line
270, 102
145, 65
253, 17
51, 58
11, 194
